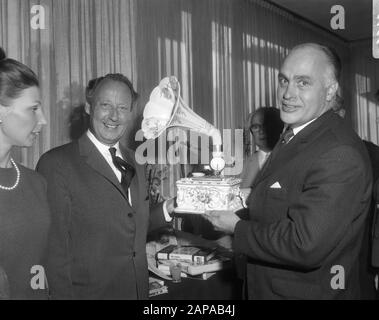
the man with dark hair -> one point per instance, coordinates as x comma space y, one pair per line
99, 203
309, 204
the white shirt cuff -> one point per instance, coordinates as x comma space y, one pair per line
167, 217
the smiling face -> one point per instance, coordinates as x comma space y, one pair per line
110, 111
22, 119
306, 86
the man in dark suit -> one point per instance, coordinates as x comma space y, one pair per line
309, 204
99, 203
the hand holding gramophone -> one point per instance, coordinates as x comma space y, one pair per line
166, 109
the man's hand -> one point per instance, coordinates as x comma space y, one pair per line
222, 220
225, 242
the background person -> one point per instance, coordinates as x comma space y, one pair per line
265, 126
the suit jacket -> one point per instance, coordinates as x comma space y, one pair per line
97, 240
299, 234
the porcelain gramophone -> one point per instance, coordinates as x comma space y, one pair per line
166, 109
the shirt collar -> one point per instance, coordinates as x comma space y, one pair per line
103, 148
298, 129
264, 153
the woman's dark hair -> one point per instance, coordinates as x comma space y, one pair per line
14, 78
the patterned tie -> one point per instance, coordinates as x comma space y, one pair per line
287, 135
283, 140
127, 171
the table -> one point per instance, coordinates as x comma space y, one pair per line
224, 285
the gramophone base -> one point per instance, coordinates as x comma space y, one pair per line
197, 195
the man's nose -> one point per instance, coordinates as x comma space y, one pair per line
290, 91
113, 114
42, 119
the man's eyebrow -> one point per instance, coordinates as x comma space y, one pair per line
296, 77
301, 77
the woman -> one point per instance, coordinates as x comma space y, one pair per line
24, 213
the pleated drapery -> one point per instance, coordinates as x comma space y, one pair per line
82, 39
364, 89
225, 53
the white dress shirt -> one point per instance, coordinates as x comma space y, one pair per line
262, 157
298, 129
104, 151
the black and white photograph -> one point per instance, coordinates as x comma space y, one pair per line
212, 151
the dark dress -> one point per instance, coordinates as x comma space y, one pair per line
24, 224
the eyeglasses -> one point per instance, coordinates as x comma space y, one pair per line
256, 127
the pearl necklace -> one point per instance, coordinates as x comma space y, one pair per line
17, 179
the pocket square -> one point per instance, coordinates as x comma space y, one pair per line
276, 185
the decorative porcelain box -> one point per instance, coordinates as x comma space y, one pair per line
196, 195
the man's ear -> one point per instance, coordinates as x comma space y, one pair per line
87, 108
331, 91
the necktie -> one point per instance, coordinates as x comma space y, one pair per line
287, 135
283, 140
127, 171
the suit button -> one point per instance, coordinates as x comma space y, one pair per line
134, 253
130, 215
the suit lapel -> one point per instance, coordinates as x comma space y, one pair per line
138, 179
97, 162
295, 146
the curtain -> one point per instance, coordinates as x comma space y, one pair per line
225, 53
82, 39
365, 84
